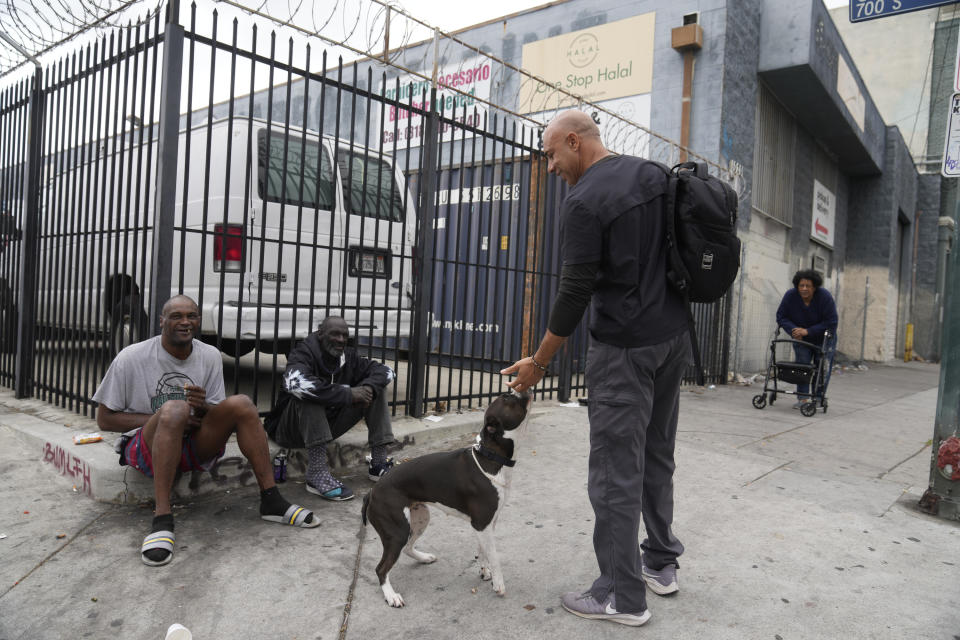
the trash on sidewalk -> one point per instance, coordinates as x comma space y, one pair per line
61, 536
745, 381
87, 438
433, 418
178, 632
2, 536
570, 404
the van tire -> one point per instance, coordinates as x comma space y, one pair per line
128, 324
236, 348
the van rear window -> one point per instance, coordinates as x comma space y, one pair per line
295, 181
369, 181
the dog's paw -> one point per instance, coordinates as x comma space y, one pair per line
499, 587
392, 597
485, 574
422, 556
394, 600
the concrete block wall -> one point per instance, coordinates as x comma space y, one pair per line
925, 311
875, 338
872, 242
739, 98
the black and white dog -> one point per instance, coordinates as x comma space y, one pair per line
471, 483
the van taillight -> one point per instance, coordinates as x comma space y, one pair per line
228, 247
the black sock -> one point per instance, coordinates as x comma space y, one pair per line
160, 523
273, 504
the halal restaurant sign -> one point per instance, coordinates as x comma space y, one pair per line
600, 63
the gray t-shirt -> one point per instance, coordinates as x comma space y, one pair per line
143, 376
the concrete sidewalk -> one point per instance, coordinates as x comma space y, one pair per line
794, 527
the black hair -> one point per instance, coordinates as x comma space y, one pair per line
808, 274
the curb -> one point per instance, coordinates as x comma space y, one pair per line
92, 469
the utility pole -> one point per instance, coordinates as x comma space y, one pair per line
942, 497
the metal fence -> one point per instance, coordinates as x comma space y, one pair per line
431, 227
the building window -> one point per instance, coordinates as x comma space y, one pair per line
773, 159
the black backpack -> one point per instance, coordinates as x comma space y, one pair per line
703, 251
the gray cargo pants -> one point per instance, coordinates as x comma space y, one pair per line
307, 424
634, 397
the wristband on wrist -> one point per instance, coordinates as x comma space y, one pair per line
538, 365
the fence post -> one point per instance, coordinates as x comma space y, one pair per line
725, 339
30, 247
416, 372
166, 195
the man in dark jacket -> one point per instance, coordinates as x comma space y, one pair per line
327, 388
614, 258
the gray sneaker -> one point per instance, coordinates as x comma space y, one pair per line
586, 606
663, 581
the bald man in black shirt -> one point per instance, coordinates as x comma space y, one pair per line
614, 255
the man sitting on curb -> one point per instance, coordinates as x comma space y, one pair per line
168, 391
326, 389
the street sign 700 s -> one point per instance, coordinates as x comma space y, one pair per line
861, 10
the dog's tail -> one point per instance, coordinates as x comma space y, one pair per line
363, 510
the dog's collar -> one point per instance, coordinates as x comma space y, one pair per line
493, 455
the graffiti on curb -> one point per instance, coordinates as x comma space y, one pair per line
68, 465
222, 471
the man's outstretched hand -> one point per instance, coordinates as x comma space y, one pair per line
528, 374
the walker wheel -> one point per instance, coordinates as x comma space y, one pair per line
808, 409
760, 401
824, 404
773, 397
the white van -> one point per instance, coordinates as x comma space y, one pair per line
278, 230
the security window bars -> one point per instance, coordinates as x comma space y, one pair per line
773, 159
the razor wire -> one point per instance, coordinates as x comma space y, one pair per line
376, 31
30, 29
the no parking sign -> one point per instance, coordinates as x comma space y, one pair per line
951, 147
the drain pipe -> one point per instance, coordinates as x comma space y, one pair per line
687, 39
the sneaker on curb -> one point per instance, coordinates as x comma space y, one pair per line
663, 581
375, 471
586, 606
